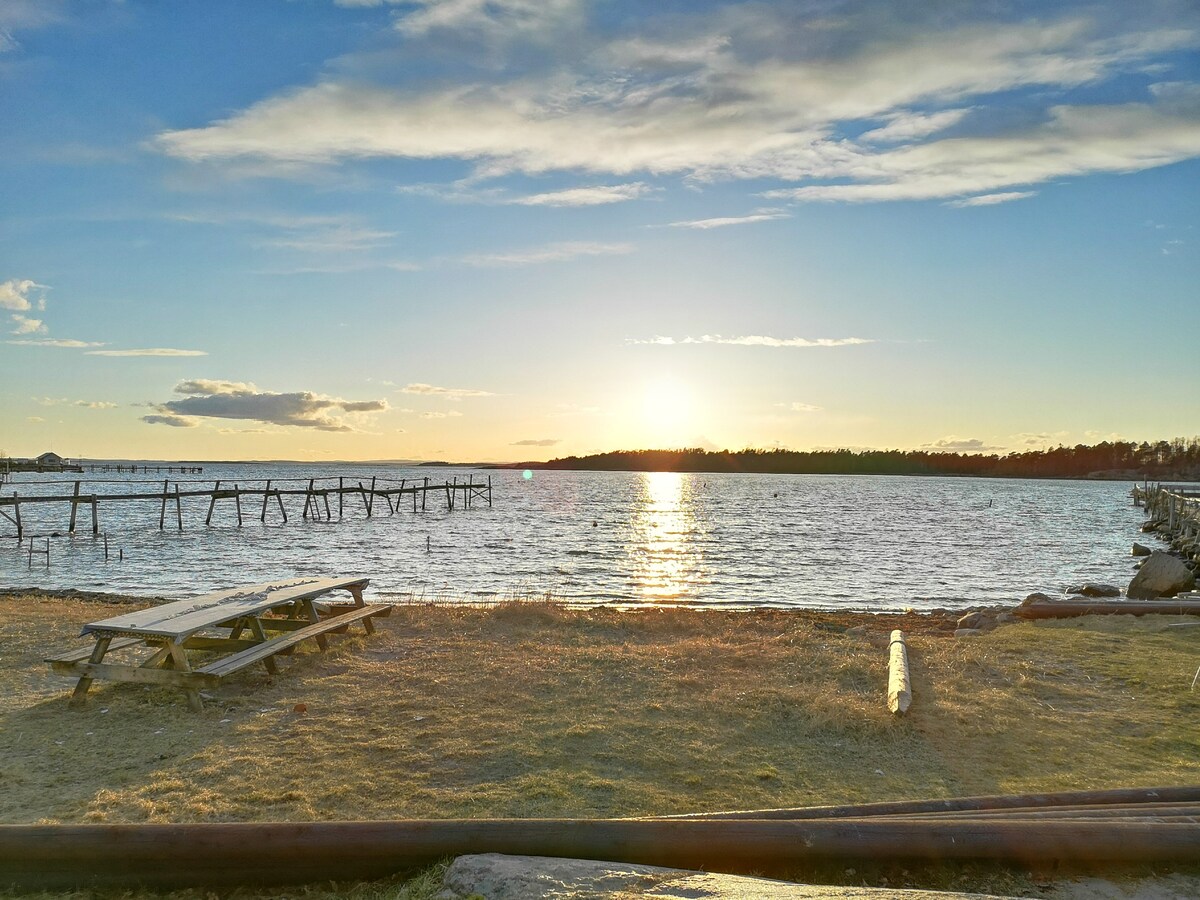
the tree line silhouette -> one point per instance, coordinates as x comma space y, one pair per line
1178, 458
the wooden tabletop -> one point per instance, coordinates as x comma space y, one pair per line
184, 617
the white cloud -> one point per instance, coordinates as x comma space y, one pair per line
536, 442
173, 421
556, 252
430, 390
214, 386
339, 239
907, 125
992, 199
756, 340
27, 325
744, 92
148, 351
15, 294
586, 196
450, 414
762, 215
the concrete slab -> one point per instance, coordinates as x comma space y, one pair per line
493, 876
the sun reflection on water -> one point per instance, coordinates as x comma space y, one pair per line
663, 558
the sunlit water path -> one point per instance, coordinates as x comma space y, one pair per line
622, 538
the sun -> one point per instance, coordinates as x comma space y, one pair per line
667, 406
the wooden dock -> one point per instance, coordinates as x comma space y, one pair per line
134, 469
322, 497
1173, 512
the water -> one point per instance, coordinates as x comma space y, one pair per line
858, 542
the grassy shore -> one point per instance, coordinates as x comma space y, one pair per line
534, 710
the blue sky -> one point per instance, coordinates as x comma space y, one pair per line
513, 229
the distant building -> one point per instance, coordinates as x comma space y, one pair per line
49, 458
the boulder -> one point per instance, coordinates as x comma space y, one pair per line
972, 620
1005, 618
1161, 575
1037, 597
967, 632
857, 631
1140, 549
1090, 589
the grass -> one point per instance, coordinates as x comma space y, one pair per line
527, 709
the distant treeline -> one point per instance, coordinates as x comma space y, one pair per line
1178, 458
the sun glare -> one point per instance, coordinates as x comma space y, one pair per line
666, 406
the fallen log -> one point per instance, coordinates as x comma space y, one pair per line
1066, 609
59, 856
1151, 795
899, 689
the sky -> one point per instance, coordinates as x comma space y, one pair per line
503, 230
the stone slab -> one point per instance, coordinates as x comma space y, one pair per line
494, 876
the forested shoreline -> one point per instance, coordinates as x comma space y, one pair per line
1174, 459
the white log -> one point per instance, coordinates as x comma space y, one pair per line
899, 689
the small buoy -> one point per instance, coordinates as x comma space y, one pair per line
593, 523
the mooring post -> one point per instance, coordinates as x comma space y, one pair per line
178, 509
95, 516
341, 497
162, 513
371, 500
489, 490
17, 516
424, 491
282, 511
266, 496
237, 501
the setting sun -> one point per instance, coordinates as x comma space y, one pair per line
667, 406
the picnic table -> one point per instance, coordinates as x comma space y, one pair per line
242, 626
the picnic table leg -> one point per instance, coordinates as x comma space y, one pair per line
79, 695
356, 591
257, 630
180, 661
313, 616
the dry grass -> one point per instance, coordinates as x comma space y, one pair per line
534, 710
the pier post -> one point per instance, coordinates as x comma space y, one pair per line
489, 491
371, 501
424, 491
178, 508
74, 508
162, 513
95, 516
237, 501
266, 496
211, 503
341, 497
17, 516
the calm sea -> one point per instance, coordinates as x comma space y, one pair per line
619, 538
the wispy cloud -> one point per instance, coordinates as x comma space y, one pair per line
27, 325
955, 444
430, 390
800, 407
762, 215
992, 199
906, 125
219, 399
148, 351
548, 253
448, 414
63, 343
754, 340
536, 442
586, 196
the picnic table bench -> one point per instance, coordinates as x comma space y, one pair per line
243, 626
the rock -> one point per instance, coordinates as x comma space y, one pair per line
1161, 575
967, 632
857, 631
972, 620
498, 877
1005, 617
1140, 549
1037, 597
1091, 589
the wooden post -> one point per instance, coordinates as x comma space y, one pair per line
17, 516
309, 499
489, 491
178, 508
211, 503
341, 497
95, 516
424, 491
282, 511
899, 690
325, 496
362, 492
162, 513
237, 501
74, 508
266, 496
371, 501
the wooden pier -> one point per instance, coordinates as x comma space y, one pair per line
317, 493
1174, 514
144, 469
